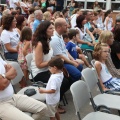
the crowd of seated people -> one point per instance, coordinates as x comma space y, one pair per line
48, 34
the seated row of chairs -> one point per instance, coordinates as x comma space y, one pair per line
82, 92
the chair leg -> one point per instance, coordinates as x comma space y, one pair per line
78, 115
65, 99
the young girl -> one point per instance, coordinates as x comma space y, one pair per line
107, 81
107, 37
24, 47
108, 21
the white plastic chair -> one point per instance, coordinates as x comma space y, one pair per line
29, 58
81, 97
18, 78
108, 100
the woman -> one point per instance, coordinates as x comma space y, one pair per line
24, 7
108, 21
42, 53
71, 5
76, 12
10, 37
84, 44
47, 16
115, 47
96, 6
21, 22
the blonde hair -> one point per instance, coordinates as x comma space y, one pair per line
98, 49
105, 36
46, 15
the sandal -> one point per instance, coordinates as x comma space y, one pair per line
61, 110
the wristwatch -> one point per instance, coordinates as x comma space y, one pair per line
3, 75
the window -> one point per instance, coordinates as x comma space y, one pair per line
115, 6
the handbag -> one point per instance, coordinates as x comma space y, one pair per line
87, 38
30, 92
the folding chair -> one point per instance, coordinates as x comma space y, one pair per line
17, 79
111, 101
88, 53
81, 97
3, 50
29, 58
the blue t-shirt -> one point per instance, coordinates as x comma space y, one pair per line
71, 47
35, 24
87, 25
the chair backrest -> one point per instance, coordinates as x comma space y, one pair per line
19, 71
90, 78
29, 59
93, 62
2, 46
80, 94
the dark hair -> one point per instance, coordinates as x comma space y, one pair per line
31, 10
7, 21
19, 9
41, 35
57, 62
117, 32
64, 11
20, 19
72, 33
13, 13
79, 20
2, 7
85, 12
65, 35
100, 10
107, 13
26, 34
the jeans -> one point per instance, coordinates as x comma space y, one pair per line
11, 56
74, 72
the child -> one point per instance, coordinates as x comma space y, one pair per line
107, 81
24, 47
72, 47
53, 87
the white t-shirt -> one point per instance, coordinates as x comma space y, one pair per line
12, 5
8, 91
54, 83
10, 37
73, 20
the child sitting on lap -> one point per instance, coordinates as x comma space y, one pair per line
70, 42
53, 87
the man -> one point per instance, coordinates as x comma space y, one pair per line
59, 49
14, 3
12, 105
87, 16
38, 19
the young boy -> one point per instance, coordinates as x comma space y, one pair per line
75, 52
53, 87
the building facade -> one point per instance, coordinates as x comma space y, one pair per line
104, 4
